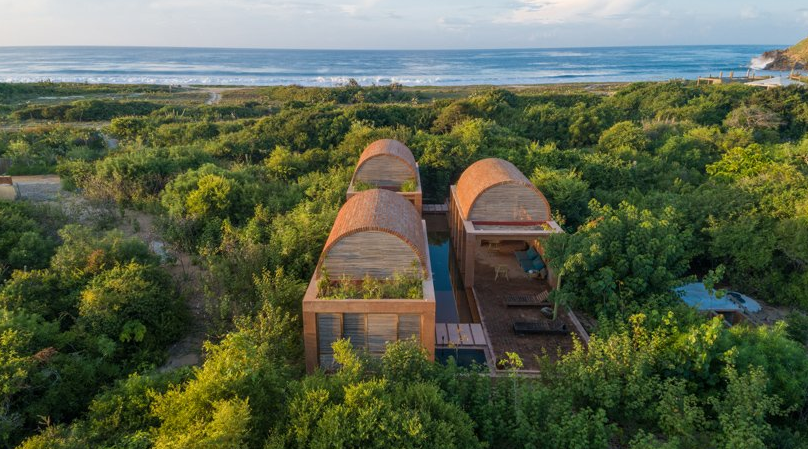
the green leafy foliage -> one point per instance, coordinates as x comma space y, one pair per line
24, 243
132, 304
623, 260
655, 183
404, 285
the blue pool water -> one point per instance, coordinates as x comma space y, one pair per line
222, 66
463, 357
439, 252
451, 303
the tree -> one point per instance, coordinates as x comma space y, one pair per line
355, 408
741, 162
14, 368
239, 392
622, 258
134, 305
744, 409
753, 117
566, 191
24, 243
624, 136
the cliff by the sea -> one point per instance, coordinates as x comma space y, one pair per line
795, 57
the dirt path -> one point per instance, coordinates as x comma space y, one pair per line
215, 93
188, 278
33, 124
215, 97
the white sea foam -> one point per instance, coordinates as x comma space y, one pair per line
760, 62
565, 54
332, 68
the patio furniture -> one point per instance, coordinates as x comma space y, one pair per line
541, 274
540, 328
535, 300
501, 270
530, 260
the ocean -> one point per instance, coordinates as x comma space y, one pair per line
216, 66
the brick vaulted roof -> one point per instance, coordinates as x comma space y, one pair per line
389, 147
380, 210
485, 174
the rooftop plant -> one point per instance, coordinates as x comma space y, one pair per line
361, 186
407, 285
409, 186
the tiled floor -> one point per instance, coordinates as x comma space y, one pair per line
498, 319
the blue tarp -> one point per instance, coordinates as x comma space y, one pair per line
696, 295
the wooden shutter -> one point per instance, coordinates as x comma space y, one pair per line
382, 328
355, 329
329, 329
409, 326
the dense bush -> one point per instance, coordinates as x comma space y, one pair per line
101, 308
23, 241
656, 183
86, 110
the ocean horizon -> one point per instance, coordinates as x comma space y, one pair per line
266, 67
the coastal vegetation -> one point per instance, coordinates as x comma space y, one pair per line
655, 183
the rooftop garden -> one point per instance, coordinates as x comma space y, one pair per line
408, 285
410, 185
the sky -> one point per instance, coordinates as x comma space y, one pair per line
400, 24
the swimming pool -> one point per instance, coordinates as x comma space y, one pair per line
451, 305
464, 357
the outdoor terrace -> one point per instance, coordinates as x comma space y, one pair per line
492, 290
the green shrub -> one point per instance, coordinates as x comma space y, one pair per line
409, 185
361, 186
134, 305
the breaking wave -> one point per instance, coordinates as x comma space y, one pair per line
189, 66
760, 62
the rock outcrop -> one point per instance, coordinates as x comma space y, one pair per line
795, 57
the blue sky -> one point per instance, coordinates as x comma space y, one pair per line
400, 24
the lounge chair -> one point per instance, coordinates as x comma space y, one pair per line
530, 260
537, 300
540, 327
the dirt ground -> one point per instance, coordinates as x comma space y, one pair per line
770, 314
187, 276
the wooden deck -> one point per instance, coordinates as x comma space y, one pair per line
436, 208
498, 318
459, 334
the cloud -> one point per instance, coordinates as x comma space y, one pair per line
453, 24
749, 12
278, 6
566, 11
11, 7
354, 9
